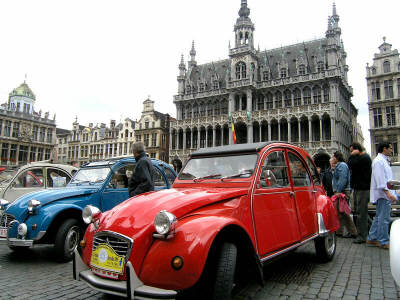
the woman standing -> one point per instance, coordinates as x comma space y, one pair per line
341, 185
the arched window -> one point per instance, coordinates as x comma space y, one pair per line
326, 93
202, 109
307, 95
278, 99
317, 97
302, 70
260, 102
209, 109
269, 103
240, 70
195, 111
297, 97
246, 37
189, 111
216, 108
287, 95
386, 66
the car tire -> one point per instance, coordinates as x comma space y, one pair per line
325, 247
67, 239
225, 272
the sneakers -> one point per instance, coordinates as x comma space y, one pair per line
375, 243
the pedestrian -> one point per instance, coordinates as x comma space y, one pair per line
360, 179
381, 196
327, 177
341, 185
141, 180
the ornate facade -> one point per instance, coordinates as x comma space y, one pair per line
152, 129
297, 93
383, 81
25, 135
92, 143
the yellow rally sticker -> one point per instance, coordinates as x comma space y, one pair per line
105, 258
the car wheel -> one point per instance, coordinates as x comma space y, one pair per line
225, 272
325, 246
67, 239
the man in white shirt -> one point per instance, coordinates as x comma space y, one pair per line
381, 196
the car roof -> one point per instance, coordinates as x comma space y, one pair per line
48, 164
236, 148
115, 160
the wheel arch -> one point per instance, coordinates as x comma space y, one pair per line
327, 210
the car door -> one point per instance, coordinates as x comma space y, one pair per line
303, 194
116, 189
56, 178
26, 181
274, 210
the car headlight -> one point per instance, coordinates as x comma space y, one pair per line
164, 222
3, 204
32, 205
22, 229
89, 214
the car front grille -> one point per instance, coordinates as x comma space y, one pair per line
6, 219
120, 244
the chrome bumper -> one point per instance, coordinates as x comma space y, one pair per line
13, 242
132, 288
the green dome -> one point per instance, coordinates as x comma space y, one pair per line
23, 90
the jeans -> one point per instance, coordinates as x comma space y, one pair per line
380, 227
361, 199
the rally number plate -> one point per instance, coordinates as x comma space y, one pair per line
3, 232
105, 258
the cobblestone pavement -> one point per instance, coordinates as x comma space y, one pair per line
357, 272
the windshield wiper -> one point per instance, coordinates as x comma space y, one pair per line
237, 175
206, 177
80, 181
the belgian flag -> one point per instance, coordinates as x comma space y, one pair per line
233, 133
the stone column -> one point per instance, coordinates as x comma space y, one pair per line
269, 132
198, 138
230, 134
191, 138
279, 131
222, 135
214, 136
250, 133
184, 140
320, 130
309, 132
289, 131
299, 130
231, 104
206, 142
333, 130
170, 138
260, 132
249, 96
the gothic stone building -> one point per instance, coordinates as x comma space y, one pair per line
383, 81
25, 135
297, 93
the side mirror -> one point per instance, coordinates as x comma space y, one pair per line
393, 185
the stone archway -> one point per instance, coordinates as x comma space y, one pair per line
241, 133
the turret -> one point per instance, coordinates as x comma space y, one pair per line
244, 28
192, 61
181, 77
333, 38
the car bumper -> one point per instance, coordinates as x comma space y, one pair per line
13, 242
132, 288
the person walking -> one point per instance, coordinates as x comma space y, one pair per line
141, 180
381, 196
360, 179
341, 185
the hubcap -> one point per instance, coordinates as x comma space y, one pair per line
72, 239
330, 244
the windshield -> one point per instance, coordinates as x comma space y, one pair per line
7, 175
90, 176
220, 167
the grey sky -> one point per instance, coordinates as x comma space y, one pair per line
100, 59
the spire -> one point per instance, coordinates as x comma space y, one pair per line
182, 64
334, 9
244, 11
193, 51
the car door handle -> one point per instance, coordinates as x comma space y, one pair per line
314, 192
291, 194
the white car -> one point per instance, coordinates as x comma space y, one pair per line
34, 177
395, 250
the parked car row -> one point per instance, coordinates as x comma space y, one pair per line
54, 216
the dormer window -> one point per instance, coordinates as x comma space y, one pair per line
373, 71
283, 73
320, 66
386, 66
146, 124
302, 70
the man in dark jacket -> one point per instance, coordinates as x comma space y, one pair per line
142, 178
360, 167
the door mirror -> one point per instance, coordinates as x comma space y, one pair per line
269, 177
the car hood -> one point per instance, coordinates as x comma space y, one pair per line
137, 213
50, 195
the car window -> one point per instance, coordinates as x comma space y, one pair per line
274, 171
169, 174
299, 171
57, 178
158, 178
30, 178
314, 173
121, 176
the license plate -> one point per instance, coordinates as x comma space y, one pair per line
105, 258
3, 232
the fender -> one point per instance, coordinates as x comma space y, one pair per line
192, 242
328, 211
46, 216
